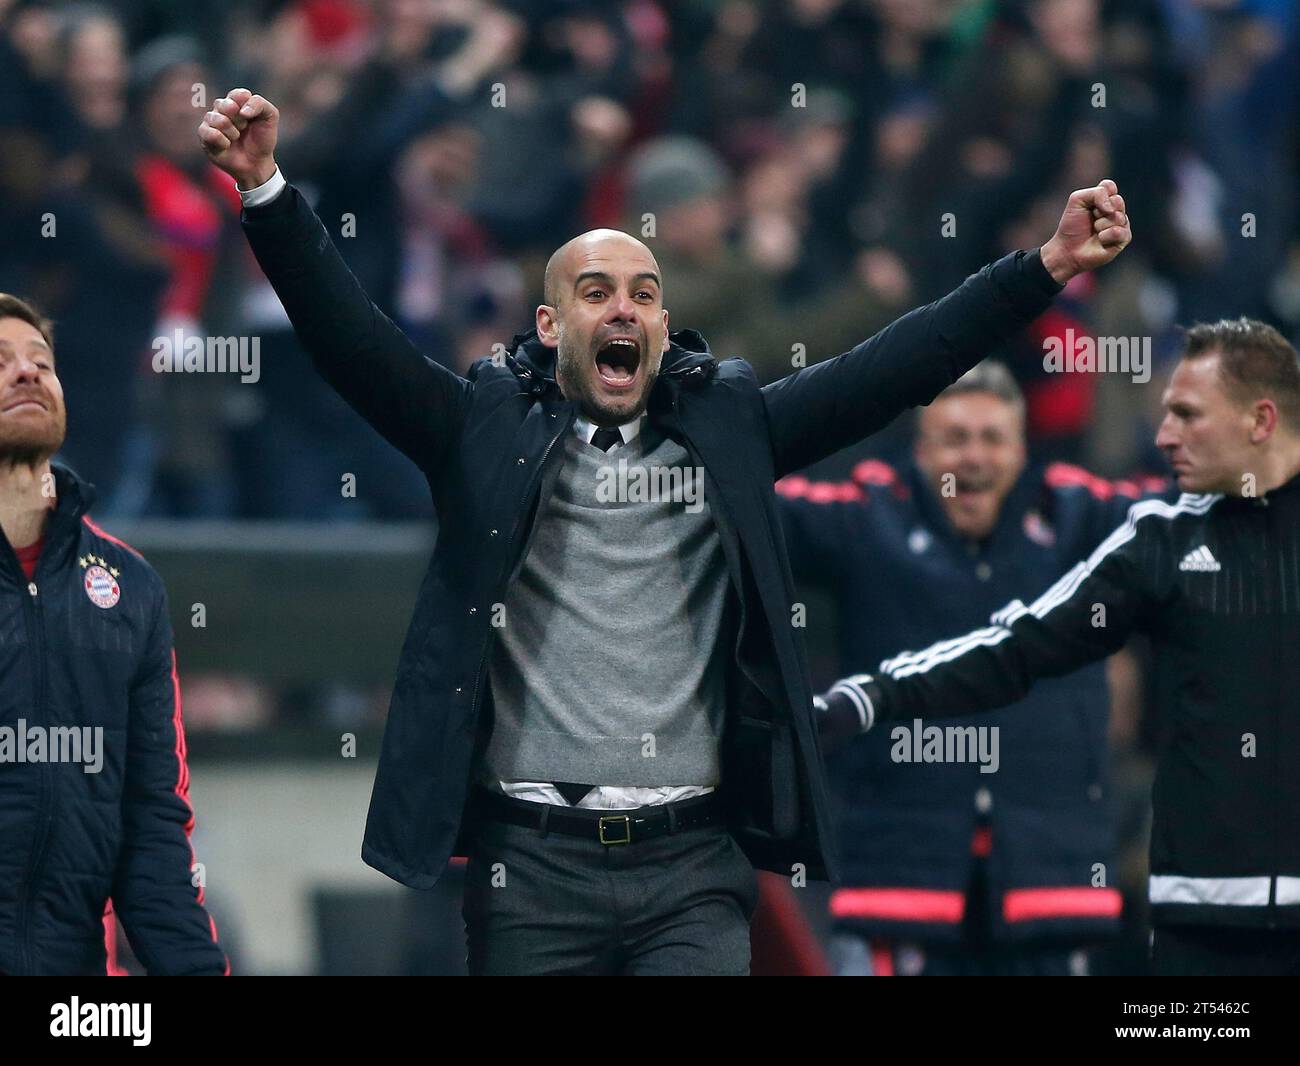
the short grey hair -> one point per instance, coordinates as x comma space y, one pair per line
990, 377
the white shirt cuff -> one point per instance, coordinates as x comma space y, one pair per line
857, 696
264, 193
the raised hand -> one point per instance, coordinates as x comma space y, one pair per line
239, 135
1093, 230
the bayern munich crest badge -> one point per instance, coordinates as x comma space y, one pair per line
101, 587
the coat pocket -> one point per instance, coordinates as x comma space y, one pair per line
760, 776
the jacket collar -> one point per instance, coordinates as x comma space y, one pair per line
1286, 494
687, 363
74, 497
75, 494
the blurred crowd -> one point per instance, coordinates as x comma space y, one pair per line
804, 170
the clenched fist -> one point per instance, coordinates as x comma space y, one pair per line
1093, 230
239, 134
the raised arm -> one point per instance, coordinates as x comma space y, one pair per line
816, 411
1086, 615
415, 403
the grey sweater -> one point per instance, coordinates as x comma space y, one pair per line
610, 664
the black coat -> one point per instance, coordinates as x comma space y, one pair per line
87, 643
484, 442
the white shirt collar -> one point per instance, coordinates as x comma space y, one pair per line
629, 430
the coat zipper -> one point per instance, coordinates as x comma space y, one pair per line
36, 641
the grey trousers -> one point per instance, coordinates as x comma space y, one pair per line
678, 904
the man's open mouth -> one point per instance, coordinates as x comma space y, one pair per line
617, 361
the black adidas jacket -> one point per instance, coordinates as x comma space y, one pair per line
1215, 582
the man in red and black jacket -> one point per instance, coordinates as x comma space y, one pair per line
995, 862
94, 789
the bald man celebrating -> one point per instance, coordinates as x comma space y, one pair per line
603, 698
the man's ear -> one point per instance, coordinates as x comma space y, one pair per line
547, 321
664, 350
1265, 421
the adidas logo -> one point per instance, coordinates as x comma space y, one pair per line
1200, 559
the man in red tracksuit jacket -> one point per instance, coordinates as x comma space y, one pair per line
94, 789
992, 859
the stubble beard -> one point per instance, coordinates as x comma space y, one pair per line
571, 371
33, 447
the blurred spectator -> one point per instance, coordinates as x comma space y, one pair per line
183, 461
812, 167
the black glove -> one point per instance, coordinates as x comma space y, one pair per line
846, 710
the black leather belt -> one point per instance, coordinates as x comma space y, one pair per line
604, 827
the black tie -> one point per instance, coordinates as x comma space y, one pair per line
571, 792
604, 439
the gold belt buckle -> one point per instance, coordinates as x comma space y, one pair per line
627, 828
